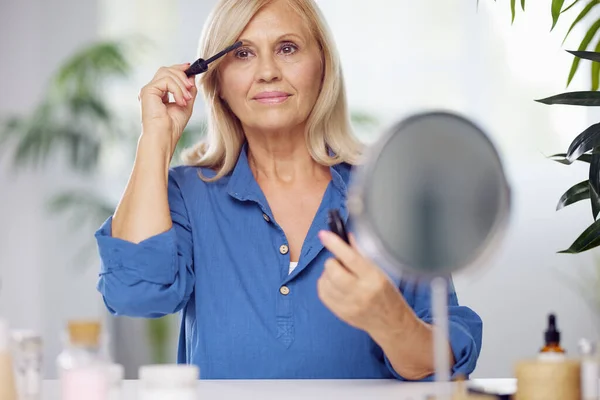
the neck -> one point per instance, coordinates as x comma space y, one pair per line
282, 157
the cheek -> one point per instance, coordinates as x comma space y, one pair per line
234, 84
307, 78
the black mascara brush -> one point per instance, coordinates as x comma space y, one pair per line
200, 66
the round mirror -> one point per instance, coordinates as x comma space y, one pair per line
431, 197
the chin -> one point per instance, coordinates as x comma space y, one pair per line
275, 126
272, 123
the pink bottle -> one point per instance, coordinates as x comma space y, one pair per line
82, 370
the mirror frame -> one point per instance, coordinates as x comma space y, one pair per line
366, 236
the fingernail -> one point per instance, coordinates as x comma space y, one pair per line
323, 235
188, 95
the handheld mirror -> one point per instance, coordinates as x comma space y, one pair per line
430, 199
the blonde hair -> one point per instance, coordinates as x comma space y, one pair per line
328, 125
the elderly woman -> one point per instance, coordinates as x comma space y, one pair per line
237, 238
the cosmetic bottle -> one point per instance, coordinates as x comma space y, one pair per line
8, 389
115, 381
169, 381
551, 349
28, 353
82, 368
589, 370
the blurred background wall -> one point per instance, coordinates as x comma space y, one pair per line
398, 57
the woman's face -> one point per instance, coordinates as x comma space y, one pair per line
272, 82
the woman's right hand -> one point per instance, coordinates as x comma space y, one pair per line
163, 119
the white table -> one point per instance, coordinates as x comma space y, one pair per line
306, 389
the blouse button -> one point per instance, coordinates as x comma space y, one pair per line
283, 249
284, 290
266, 217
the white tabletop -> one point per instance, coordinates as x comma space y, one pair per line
306, 389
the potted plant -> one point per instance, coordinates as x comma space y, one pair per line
74, 119
585, 147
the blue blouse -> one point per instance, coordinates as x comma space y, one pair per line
224, 264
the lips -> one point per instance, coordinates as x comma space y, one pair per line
272, 97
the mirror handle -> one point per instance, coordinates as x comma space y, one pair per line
336, 224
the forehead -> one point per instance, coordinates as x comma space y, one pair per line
274, 19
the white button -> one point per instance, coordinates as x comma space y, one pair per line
284, 290
266, 217
283, 249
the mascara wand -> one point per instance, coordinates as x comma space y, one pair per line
200, 66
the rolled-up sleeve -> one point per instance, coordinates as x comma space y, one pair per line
465, 327
154, 277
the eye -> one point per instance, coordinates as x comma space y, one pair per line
288, 48
243, 53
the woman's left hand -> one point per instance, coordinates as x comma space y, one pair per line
358, 292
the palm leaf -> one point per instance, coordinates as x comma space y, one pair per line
523, 5
589, 239
583, 46
512, 10
581, 15
556, 9
73, 119
562, 158
595, 202
585, 141
594, 184
595, 70
569, 7
588, 55
583, 98
576, 193
90, 107
90, 66
82, 207
33, 140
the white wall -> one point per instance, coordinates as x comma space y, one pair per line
471, 62
409, 58
41, 284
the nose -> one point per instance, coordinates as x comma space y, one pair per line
267, 70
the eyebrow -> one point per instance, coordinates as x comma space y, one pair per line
250, 42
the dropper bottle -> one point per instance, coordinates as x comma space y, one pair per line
552, 349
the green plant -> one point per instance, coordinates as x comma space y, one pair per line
74, 123
586, 146
584, 15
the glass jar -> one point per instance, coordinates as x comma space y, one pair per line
28, 353
115, 381
82, 367
168, 381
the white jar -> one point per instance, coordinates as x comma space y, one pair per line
28, 363
115, 379
168, 381
590, 370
